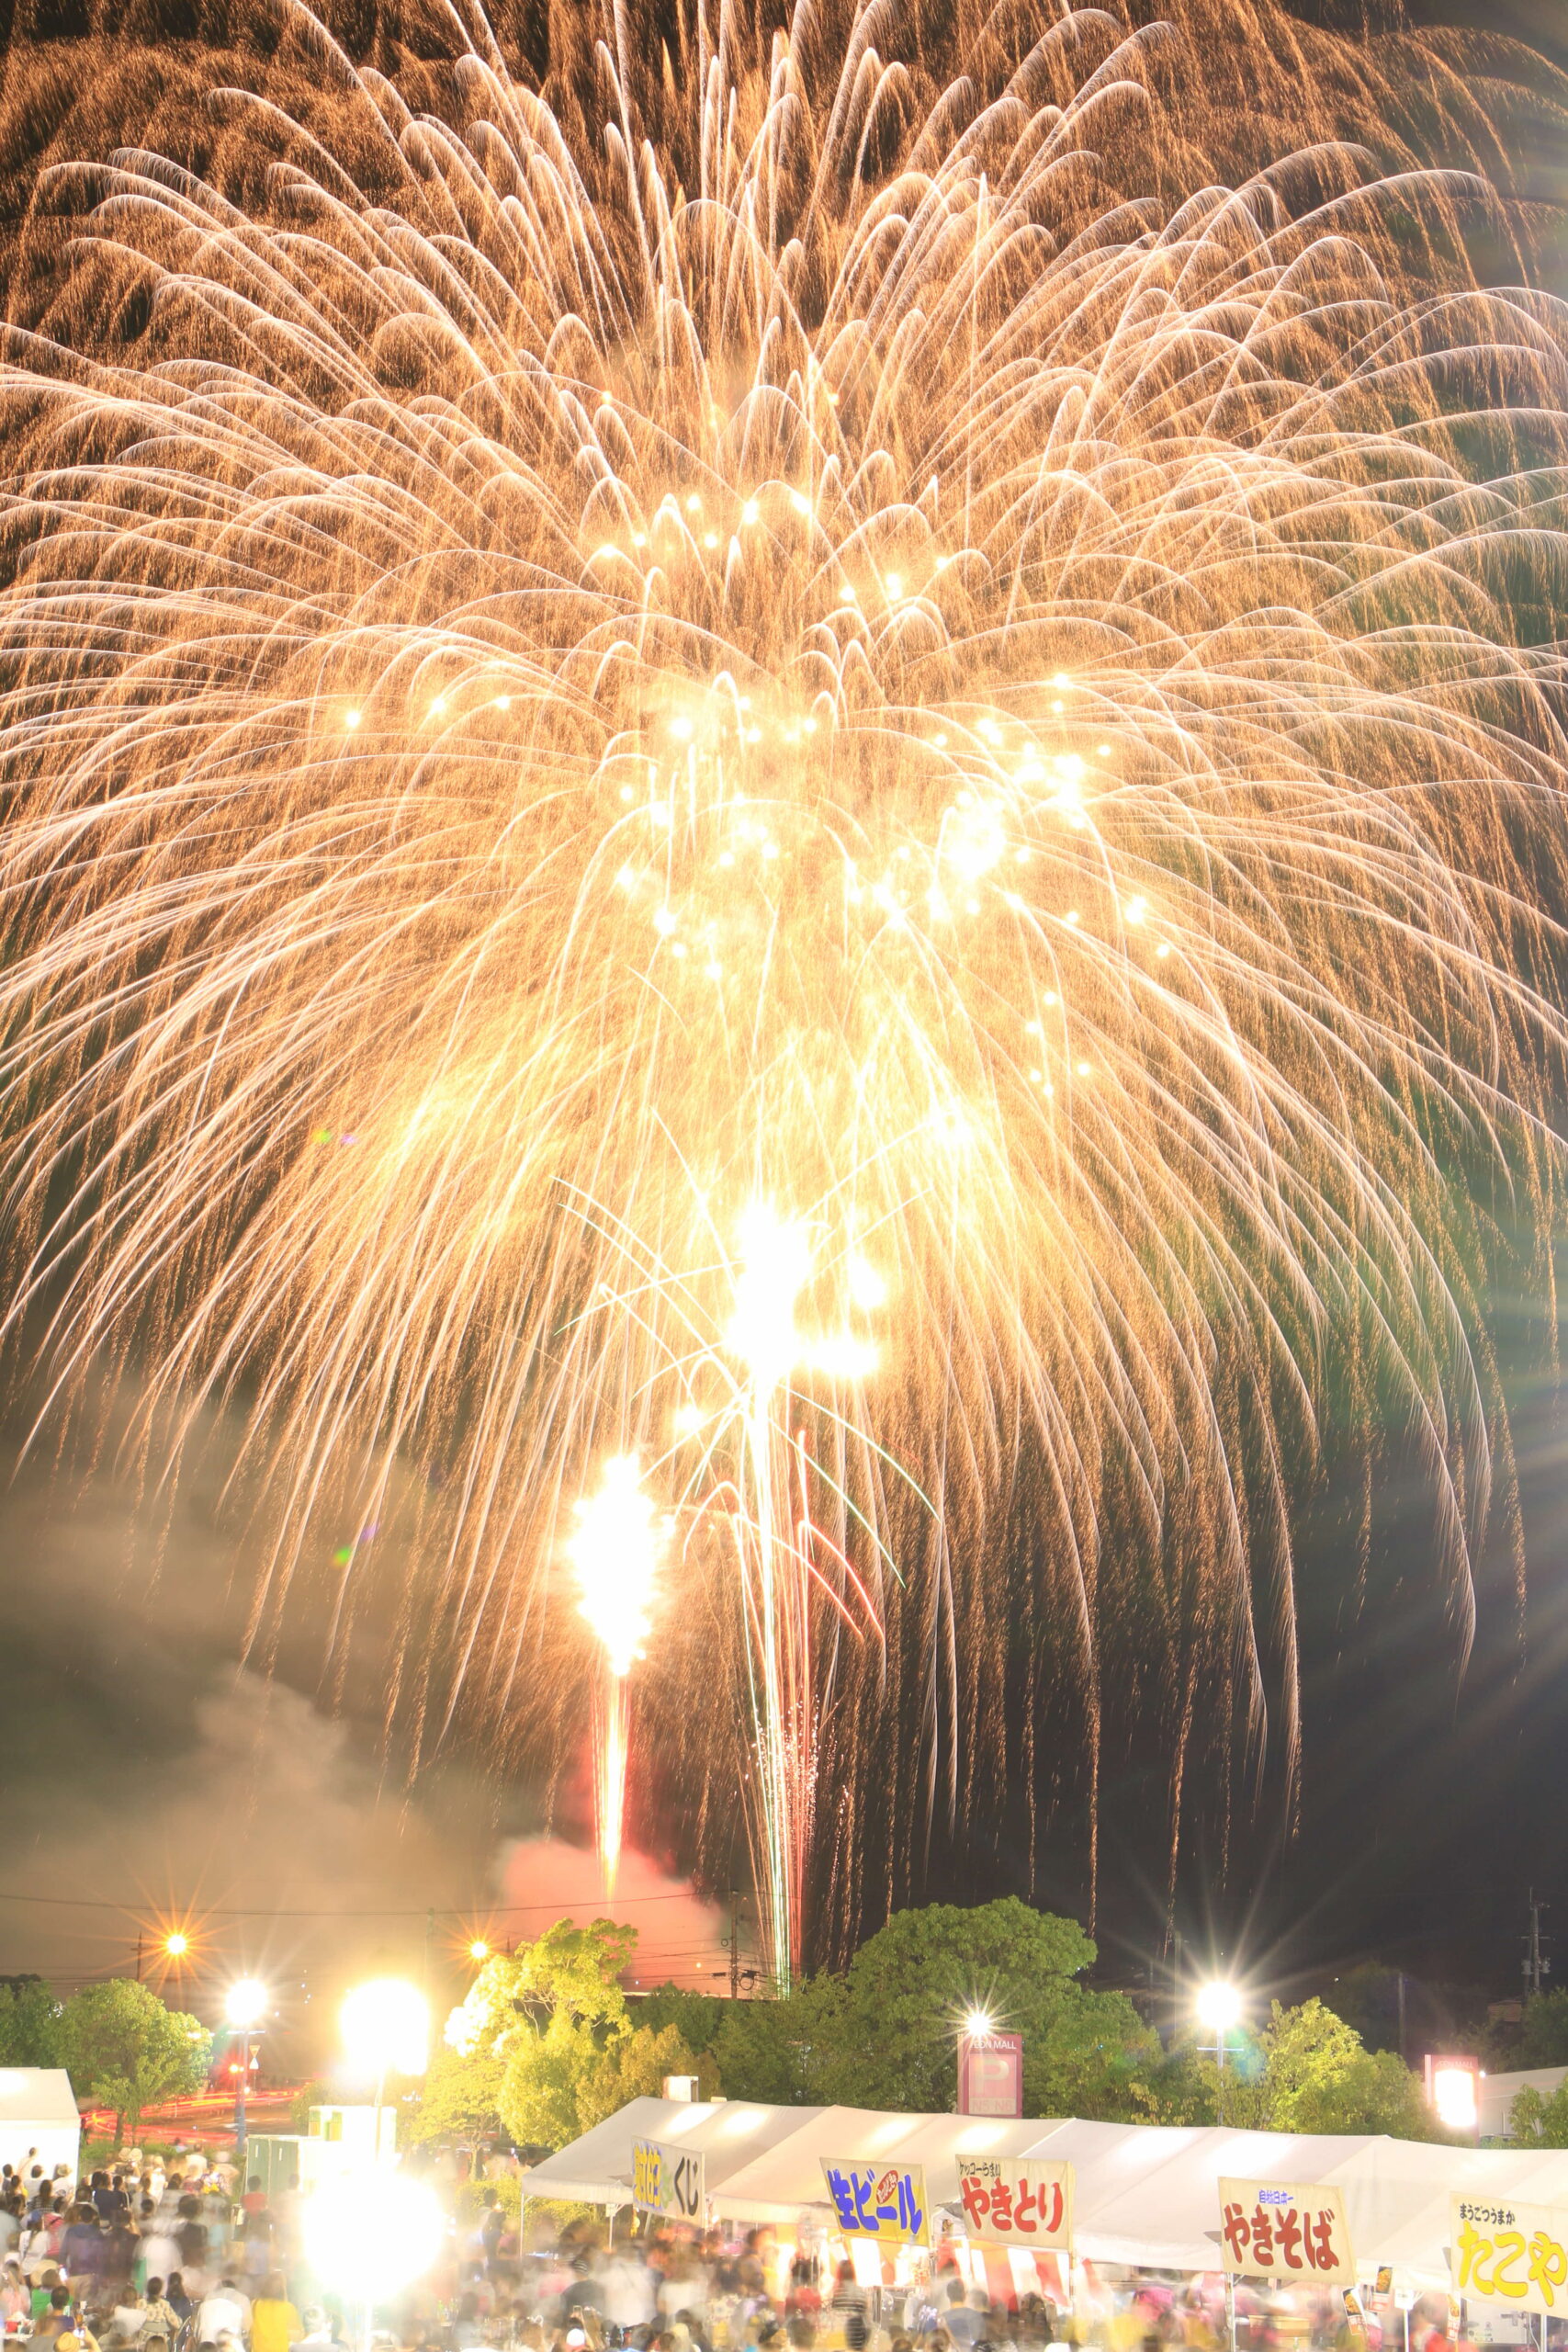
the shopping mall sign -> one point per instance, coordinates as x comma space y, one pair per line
1013, 2200
885, 2203
1284, 2231
1513, 2254
667, 2180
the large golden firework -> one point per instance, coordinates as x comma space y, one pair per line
802, 659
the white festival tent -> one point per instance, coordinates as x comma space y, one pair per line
37, 2109
1146, 2196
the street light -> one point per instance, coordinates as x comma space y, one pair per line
386, 2030
1219, 2007
977, 2021
371, 2232
176, 1945
244, 2005
479, 1950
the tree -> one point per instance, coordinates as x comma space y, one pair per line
1542, 2036
545, 2041
124, 2050
885, 2033
1540, 2118
460, 2099
760, 2052
30, 2024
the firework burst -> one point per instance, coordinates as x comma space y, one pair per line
823, 621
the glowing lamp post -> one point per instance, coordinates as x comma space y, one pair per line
1453, 2091
244, 2007
1219, 2007
386, 2030
372, 2233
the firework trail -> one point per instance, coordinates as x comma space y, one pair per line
616, 1548
805, 668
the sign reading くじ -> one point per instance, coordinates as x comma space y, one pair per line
1285, 2230
1503, 2253
667, 2180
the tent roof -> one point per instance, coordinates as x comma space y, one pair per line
1145, 2194
39, 2094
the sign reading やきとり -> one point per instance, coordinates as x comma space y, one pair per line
1016, 2200
1514, 2254
883, 2202
1285, 2231
667, 2180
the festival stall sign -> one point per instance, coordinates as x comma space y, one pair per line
1287, 2232
883, 2202
1508, 2254
1017, 2200
667, 2180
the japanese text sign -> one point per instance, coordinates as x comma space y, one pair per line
1284, 2230
1514, 2254
883, 2202
990, 2074
667, 2180
1013, 2200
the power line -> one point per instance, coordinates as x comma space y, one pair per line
453, 1911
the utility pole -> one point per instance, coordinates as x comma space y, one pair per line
734, 1945
139, 1955
1401, 2049
1535, 1967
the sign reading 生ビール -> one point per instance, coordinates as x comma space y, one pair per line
1014, 2200
1285, 2231
1515, 2255
667, 2180
883, 2202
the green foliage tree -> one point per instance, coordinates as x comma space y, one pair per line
1307, 2070
29, 2025
1541, 2039
546, 2042
1540, 2118
760, 2049
124, 2050
460, 2099
1367, 1997
885, 2034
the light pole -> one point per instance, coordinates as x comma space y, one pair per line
245, 2007
386, 2030
1219, 2007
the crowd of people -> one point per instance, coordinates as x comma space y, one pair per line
159, 2255
175, 2256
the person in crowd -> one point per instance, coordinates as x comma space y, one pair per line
159, 2316
176, 2296
275, 2323
55, 2320
966, 2313
225, 2311
81, 2250
16, 2300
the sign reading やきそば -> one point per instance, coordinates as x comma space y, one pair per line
667, 2180
883, 2202
1515, 2255
1014, 2200
1285, 2231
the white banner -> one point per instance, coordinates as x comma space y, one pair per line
668, 2180
1289, 2231
1512, 2257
